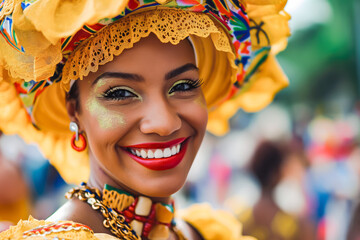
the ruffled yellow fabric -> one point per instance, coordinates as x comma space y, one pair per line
8, 8
16, 232
41, 27
213, 224
65, 17
255, 95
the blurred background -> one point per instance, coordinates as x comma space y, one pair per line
291, 171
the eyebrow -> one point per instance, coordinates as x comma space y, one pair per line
129, 76
139, 78
180, 70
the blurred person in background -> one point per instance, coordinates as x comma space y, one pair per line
272, 164
14, 193
354, 229
332, 147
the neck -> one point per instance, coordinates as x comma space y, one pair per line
267, 197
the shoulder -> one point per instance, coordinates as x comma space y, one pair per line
77, 211
213, 224
40, 229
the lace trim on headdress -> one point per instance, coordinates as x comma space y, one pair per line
170, 26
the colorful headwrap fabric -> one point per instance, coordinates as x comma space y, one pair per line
43, 44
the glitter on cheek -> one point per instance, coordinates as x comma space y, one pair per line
106, 119
201, 101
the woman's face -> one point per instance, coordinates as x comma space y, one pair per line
144, 116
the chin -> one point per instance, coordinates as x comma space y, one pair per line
164, 188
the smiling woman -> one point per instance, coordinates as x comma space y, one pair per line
138, 83
138, 109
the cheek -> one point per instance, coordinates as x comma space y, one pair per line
203, 111
103, 142
201, 102
196, 114
102, 126
102, 135
106, 119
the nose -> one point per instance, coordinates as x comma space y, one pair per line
160, 118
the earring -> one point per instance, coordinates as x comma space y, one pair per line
76, 137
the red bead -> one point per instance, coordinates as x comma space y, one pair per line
147, 227
128, 214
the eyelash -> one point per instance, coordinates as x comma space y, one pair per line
192, 83
111, 92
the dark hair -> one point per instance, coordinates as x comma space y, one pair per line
73, 94
266, 164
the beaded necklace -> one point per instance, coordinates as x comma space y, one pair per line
128, 217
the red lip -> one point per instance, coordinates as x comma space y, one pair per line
157, 145
160, 164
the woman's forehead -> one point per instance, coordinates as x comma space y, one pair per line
151, 51
150, 55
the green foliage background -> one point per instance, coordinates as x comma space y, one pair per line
321, 60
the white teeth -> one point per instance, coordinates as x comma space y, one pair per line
143, 153
156, 153
173, 150
150, 154
167, 152
159, 153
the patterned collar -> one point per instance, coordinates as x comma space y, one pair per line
129, 216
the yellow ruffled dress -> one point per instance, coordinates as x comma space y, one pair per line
211, 224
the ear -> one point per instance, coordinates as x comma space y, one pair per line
72, 110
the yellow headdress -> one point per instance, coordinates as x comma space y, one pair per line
44, 44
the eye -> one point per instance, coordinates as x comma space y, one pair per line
185, 85
118, 93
